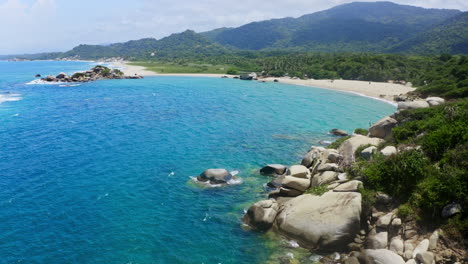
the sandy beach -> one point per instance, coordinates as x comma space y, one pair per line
378, 90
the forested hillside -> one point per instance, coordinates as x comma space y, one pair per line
349, 27
451, 36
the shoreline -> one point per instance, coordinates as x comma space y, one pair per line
381, 91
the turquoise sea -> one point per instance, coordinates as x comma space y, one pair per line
100, 172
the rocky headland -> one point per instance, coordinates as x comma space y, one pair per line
321, 205
94, 74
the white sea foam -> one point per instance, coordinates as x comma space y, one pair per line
39, 81
233, 181
9, 97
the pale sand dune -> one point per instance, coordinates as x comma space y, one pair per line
379, 90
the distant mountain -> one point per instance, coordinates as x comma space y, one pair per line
380, 27
451, 36
185, 44
358, 26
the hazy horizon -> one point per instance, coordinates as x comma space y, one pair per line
34, 26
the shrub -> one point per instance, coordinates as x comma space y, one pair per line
404, 211
396, 175
318, 190
78, 75
337, 143
361, 131
232, 71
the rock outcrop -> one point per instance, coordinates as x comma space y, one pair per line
94, 74
262, 214
325, 222
413, 105
349, 147
383, 127
384, 256
338, 132
215, 176
273, 169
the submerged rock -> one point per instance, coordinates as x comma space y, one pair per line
215, 176
327, 222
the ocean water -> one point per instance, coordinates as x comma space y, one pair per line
100, 172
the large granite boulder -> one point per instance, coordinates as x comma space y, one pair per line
328, 167
311, 158
50, 78
451, 210
433, 101
383, 127
61, 75
300, 184
262, 214
328, 222
299, 171
412, 105
384, 256
389, 151
377, 240
324, 178
349, 147
351, 186
215, 176
422, 247
367, 153
273, 169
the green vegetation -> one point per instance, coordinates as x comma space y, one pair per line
425, 180
337, 143
318, 190
447, 78
232, 71
340, 29
444, 75
451, 36
78, 75
361, 131
168, 67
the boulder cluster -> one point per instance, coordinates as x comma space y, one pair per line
405, 102
317, 205
94, 74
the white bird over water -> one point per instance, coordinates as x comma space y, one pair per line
171, 174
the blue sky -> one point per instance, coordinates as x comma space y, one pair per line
30, 26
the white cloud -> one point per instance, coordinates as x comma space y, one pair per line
47, 25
